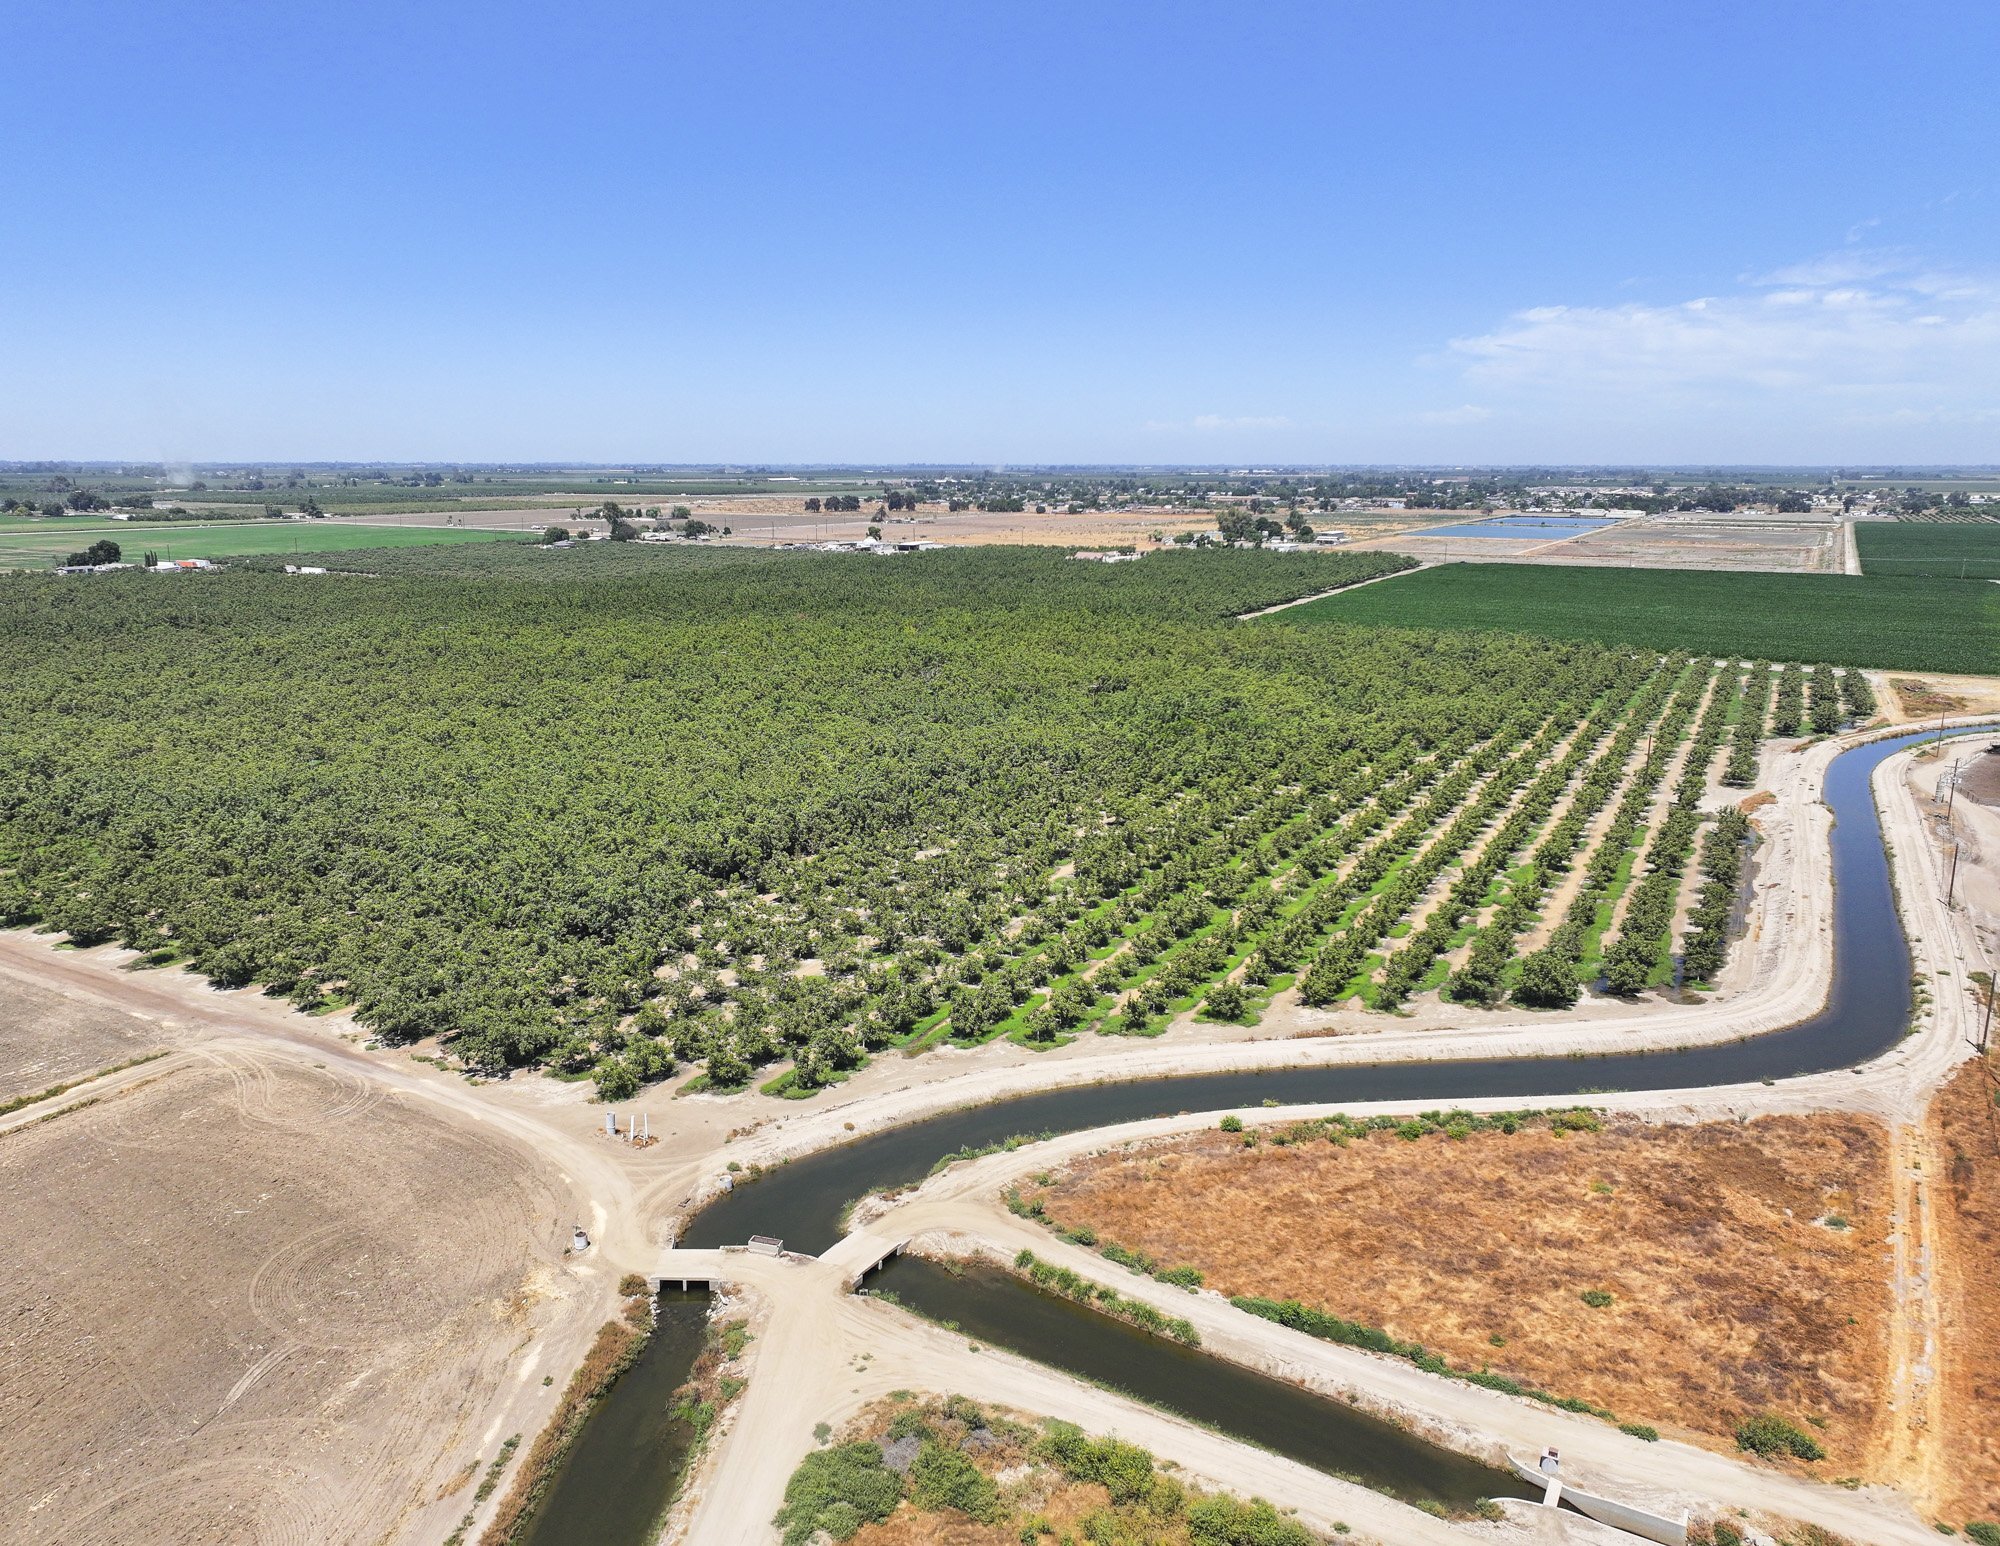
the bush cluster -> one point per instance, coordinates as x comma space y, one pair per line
1772, 1436
1107, 1300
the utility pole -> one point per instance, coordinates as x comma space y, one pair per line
1951, 790
1951, 879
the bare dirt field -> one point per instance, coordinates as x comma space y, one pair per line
1745, 1260
252, 1300
1660, 542
763, 519
47, 1039
1965, 1137
1680, 542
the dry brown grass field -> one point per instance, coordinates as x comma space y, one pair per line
255, 1301
1730, 1295
1965, 1135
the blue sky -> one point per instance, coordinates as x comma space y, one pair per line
1032, 232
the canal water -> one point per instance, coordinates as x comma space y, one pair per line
989, 1304
622, 1472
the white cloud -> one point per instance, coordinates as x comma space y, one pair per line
1466, 413
1217, 424
1215, 421
1879, 330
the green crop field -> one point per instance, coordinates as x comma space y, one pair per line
1938, 549
39, 544
1850, 620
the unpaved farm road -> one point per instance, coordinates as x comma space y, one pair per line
821, 1353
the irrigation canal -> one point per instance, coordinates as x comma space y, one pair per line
619, 1478
1866, 1013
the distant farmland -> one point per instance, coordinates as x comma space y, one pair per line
1848, 620
1938, 549
37, 544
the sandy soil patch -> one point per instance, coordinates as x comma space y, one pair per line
48, 1039
253, 1300
1908, 696
1729, 1295
1979, 779
1965, 1134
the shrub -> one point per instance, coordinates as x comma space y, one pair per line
1221, 1521
1596, 1298
1123, 1470
1984, 1533
838, 1490
1547, 982
965, 1410
1231, 1124
1772, 1436
615, 1081
909, 1424
944, 1478
1640, 1431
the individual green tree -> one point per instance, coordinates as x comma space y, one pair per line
1225, 1001
102, 551
1627, 967
615, 1080
1548, 981
554, 534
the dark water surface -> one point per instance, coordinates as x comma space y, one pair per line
620, 1475
990, 1305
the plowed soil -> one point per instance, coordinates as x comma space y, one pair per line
252, 1301
1736, 1289
1965, 1133
47, 1039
